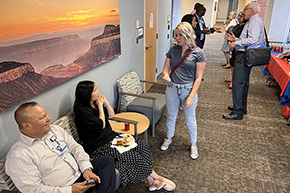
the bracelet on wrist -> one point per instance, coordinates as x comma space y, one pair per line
107, 105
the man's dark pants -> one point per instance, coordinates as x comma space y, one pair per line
241, 79
104, 167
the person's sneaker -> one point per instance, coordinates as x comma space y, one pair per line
166, 144
193, 152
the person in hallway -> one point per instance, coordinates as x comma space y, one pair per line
47, 159
237, 30
201, 30
92, 113
228, 29
251, 37
189, 18
184, 78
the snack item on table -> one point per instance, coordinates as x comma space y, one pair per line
127, 139
121, 142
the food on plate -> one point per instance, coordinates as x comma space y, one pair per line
121, 142
125, 141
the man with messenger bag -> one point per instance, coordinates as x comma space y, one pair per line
252, 37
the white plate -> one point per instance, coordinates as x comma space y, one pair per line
130, 136
121, 148
118, 138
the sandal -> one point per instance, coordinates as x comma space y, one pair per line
227, 66
157, 185
169, 185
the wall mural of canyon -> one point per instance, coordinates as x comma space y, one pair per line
44, 43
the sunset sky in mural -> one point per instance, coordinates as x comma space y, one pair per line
23, 18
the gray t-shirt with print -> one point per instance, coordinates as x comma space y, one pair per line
185, 73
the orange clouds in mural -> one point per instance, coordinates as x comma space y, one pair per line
24, 18
44, 43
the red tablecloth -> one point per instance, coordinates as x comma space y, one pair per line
280, 70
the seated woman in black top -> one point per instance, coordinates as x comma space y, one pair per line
92, 111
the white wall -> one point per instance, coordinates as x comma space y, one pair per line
268, 14
287, 33
59, 99
163, 42
214, 16
279, 25
242, 4
223, 7
176, 15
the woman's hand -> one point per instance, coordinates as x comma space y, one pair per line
165, 70
105, 101
100, 101
167, 78
107, 105
188, 102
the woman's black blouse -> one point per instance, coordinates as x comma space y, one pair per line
237, 30
90, 128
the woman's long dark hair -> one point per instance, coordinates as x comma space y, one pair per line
83, 94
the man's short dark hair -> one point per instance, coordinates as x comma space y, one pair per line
20, 115
199, 7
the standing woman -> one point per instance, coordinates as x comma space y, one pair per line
189, 18
237, 30
184, 81
92, 111
228, 29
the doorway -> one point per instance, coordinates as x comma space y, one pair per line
150, 41
224, 9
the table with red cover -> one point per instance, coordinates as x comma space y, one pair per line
280, 70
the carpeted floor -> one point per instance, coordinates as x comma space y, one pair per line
249, 155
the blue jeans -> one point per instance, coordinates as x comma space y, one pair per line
176, 94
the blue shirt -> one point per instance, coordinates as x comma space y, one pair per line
185, 73
255, 29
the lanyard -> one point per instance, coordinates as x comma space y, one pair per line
59, 147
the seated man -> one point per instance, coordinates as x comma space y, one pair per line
47, 159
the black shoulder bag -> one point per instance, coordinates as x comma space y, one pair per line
258, 56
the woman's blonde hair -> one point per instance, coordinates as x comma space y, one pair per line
187, 32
